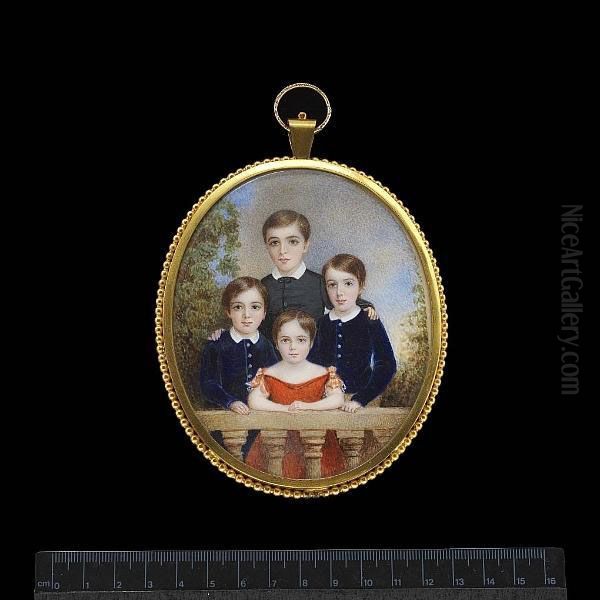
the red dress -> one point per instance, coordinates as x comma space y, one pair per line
282, 392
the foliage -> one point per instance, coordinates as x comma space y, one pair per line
209, 262
412, 353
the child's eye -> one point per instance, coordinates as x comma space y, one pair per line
236, 307
294, 242
302, 340
256, 307
273, 243
349, 283
331, 284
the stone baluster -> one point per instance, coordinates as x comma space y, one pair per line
383, 436
234, 440
313, 440
351, 442
274, 444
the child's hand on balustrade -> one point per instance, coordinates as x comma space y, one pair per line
351, 406
239, 407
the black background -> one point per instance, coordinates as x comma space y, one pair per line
131, 150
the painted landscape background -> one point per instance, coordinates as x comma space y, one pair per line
344, 217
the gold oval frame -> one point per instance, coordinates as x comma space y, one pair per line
199, 435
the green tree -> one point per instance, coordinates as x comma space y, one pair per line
404, 388
209, 262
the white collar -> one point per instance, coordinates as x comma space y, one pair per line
351, 315
296, 274
237, 338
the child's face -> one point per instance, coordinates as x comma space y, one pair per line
343, 289
287, 247
293, 342
247, 311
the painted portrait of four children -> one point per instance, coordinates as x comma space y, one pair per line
299, 340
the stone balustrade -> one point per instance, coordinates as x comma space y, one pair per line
350, 429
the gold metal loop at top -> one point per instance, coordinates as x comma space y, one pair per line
294, 86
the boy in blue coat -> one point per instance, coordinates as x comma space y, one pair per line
357, 346
230, 363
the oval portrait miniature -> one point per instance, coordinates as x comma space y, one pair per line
301, 327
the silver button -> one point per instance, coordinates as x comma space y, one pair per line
249, 366
339, 345
339, 335
249, 355
339, 356
248, 344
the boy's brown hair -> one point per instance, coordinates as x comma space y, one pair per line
349, 264
241, 284
283, 218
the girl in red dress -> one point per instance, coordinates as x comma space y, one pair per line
293, 385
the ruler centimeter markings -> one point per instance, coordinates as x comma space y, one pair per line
360, 569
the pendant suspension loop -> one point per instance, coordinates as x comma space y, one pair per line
301, 130
295, 86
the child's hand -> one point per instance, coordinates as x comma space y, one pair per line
297, 406
351, 406
239, 407
371, 313
215, 335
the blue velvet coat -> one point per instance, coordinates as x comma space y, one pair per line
361, 352
227, 367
